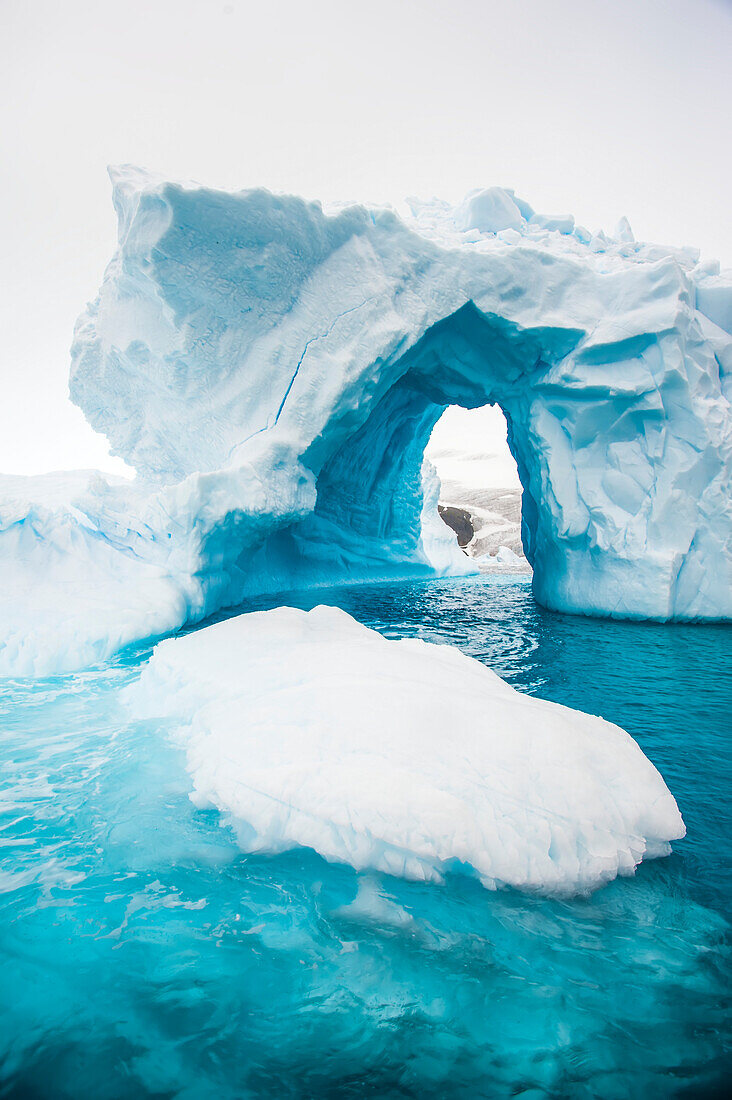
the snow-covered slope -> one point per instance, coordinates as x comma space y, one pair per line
411, 758
273, 372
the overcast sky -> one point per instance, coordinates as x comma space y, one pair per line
592, 107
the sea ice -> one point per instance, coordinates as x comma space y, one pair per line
308, 729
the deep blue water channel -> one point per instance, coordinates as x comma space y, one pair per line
141, 954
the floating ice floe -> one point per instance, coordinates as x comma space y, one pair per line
308, 729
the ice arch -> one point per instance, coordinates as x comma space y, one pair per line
253, 332
585, 455
273, 372
375, 501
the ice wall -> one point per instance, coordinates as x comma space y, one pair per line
273, 372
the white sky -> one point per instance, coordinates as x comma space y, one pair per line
592, 107
469, 447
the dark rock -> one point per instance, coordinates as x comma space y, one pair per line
460, 521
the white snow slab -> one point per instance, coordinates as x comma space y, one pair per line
309, 729
73, 589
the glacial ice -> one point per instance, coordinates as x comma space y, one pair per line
506, 556
73, 589
309, 729
273, 373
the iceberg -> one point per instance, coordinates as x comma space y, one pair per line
273, 372
309, 729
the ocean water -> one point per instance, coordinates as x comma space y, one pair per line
141, 954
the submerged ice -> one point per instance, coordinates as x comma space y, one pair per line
273, 372
307, 729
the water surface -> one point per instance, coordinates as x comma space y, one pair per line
143, 955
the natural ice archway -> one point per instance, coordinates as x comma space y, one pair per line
376, 499
273, 372
252, 330
580, 492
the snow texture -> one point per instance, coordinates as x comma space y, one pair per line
273, 372
308, 729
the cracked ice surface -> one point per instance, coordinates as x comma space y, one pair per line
340, 744
273, 373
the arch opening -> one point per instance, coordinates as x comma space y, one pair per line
480, 489
383, 510
377, 510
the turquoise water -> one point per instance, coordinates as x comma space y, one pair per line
142, 954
